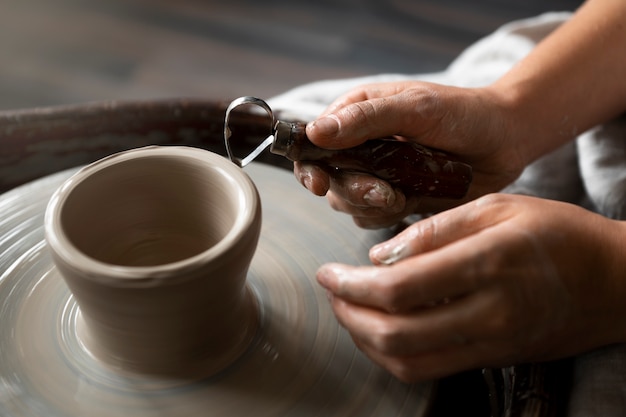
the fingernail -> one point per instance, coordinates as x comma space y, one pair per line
305, 180
326, 126
305, 175
388, 253
328, 274
322, 276
380, 196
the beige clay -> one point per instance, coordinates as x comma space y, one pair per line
155, 245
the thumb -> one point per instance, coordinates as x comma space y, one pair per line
355, 123
381, 112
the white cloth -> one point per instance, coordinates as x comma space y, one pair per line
590, 171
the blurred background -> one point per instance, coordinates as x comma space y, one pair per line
72, 51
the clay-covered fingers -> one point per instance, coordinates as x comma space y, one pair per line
352, 191
364, 190
372, 202
313, 177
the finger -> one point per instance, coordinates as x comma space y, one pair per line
455, 270
442, 229
443, 340
449, 323
371, 202
365, 92
407, 333
370, 217
404, 113
354, 124
313, 177
433, 364
358, 190
488, 341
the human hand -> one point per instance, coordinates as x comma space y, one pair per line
501, 280
469, 124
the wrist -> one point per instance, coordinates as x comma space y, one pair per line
533, 128
510, 123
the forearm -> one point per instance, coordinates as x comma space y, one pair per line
573, 80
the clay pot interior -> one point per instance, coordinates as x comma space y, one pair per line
148, 215
155, 244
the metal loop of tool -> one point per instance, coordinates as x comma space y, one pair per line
227, 132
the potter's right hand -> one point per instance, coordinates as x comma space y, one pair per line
505, 279
469, 124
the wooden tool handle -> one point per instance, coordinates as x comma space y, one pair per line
414, 169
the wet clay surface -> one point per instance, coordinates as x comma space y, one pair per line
148, 214
300, 361
155, 245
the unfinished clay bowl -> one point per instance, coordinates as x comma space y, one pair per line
154, 245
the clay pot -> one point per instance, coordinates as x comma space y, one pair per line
155, 245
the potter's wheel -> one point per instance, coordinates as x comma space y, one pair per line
301, 362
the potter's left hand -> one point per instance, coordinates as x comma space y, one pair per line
472, 124
497, 281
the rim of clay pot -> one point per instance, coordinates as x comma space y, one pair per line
159, 274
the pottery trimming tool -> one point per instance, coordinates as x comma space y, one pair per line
414, 169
